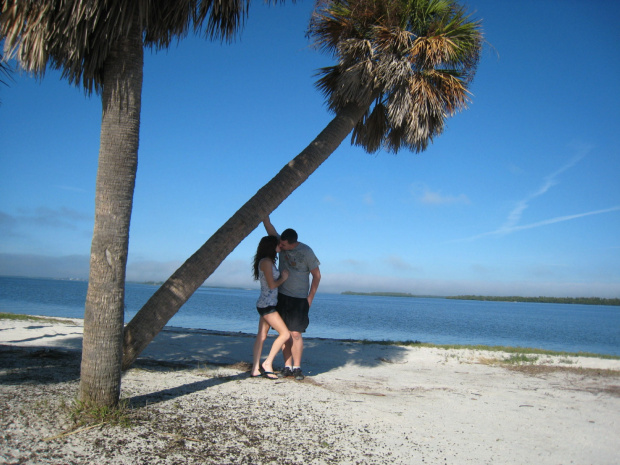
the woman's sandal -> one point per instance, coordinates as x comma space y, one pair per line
266, 374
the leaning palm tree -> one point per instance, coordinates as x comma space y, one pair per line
100, 46
403, 67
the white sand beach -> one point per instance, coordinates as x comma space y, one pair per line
191, 401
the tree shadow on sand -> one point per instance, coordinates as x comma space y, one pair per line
180, 391
181, 350
40, 365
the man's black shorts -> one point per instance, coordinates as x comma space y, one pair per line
294, 312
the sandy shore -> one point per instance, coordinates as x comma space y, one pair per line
192, 402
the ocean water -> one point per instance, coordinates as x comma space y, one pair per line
561, 327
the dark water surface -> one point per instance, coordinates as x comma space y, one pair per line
562, 327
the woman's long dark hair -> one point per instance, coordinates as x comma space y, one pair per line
266, 249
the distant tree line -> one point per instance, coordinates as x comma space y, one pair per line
381, 294
548, 300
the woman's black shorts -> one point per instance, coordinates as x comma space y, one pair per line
294, 312
266, 310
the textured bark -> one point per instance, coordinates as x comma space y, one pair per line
169, 298
100, 378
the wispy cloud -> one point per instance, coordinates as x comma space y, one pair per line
549, 181
426, 196
559, 219
504, 230
353, 263
43, 217
398, 264
512, 223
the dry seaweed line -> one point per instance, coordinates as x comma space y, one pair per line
69, 433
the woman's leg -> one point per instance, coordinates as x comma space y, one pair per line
261, 335
275, 321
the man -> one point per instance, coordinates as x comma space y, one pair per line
295, 295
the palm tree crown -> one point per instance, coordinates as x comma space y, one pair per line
411, 59
76, 36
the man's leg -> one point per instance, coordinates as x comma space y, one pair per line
297, 348
283, 309
296, 310
287, 352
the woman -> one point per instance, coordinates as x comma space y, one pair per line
267, 274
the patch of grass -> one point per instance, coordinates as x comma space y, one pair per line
594, 373
519, 359
85, 413
522, 350
20, 317
385, 343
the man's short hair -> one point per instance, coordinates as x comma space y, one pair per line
289, 235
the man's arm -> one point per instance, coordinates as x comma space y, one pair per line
316, 279
269, 228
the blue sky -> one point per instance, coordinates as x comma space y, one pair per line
519, 196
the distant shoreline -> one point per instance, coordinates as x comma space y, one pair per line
541, 299
546, 300
516, 350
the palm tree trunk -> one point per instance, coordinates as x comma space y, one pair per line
100, 378
169, 298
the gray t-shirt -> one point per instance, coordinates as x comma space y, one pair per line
299, 262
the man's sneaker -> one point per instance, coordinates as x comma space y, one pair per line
285, 373
298, 374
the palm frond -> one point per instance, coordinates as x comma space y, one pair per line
5, 72
371, 130
223, 18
